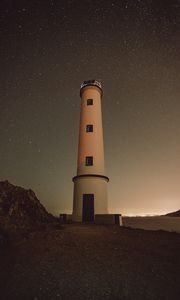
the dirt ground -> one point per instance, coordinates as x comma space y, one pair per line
92, 262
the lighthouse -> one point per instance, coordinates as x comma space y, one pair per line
90, 183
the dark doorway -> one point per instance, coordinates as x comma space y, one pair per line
88, 208
116, 217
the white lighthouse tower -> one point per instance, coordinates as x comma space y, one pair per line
90, 183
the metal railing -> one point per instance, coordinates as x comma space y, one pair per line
91, 82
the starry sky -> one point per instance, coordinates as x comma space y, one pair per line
47, 48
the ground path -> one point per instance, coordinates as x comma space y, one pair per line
92, 262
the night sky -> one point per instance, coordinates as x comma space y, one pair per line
47, 48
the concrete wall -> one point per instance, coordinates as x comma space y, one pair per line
153, 223
90, 185
108, 219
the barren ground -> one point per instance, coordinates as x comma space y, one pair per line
92, 262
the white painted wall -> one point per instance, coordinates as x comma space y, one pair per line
89, 185
91, 143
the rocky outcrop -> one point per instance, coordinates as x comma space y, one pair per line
174, 214
21, 206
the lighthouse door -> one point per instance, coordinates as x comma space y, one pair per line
88, 208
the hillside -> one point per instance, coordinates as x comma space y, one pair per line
21, 205
174, 214
20, 210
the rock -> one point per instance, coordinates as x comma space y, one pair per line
21, 207
174, 214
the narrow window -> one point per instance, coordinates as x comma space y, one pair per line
89, 160
89, 128
89, 101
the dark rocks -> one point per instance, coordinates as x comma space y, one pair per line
20, 212
174, 214
19, 203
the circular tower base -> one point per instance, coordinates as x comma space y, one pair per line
90, 197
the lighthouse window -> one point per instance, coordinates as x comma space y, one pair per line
89, 128
89, 160
89, 101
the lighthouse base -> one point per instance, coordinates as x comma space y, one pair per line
90, 197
